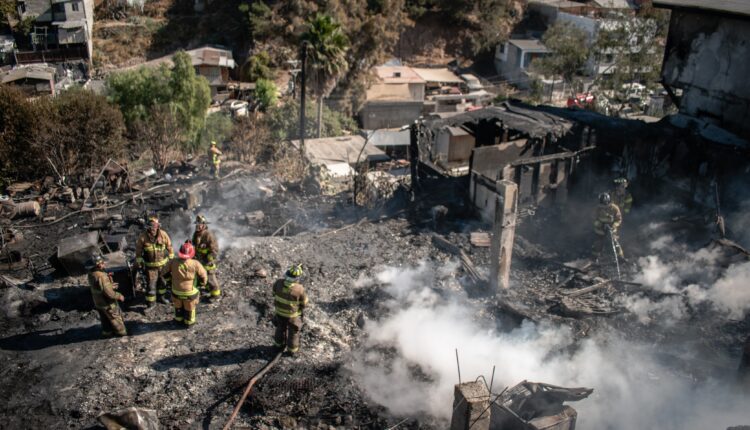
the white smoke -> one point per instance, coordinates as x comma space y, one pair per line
697, 275
407, 363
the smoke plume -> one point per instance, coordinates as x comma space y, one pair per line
407, 362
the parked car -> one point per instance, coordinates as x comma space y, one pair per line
236, 107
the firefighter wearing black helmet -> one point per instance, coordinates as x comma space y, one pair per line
607, 222
106, 298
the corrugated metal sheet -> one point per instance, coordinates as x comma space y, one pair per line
441, 75
741, 7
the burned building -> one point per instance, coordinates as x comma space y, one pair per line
705, 64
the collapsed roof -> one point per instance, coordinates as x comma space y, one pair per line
534, 123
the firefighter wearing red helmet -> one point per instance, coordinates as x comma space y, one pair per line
187, 277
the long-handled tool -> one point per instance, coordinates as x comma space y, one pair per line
614, 250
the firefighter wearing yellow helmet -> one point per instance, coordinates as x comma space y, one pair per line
290, 301
153, 250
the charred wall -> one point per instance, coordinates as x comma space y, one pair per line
708, 57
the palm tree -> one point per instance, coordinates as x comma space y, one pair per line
326, 46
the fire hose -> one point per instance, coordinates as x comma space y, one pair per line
249, 387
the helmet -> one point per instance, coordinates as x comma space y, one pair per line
605, 199
294, 271
186, 250
213, 143
621, 182
95, 260
200, 219
153, 221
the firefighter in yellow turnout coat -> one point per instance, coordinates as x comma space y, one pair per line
607, 222
207, 252
153, 250
187, 277
105, 296
290, 301
214, 155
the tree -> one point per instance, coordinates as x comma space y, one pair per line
569, 51
161, 134
75, 132
632, 47
18, 130
257, 67
259, 17
326, 46
137, 92
251, 139
266, 94
219, 127
191, 97
84, 133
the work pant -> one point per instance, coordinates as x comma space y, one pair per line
111, 319
213, 284
215, 167
287, 332
603, 245
155, 282
185, 307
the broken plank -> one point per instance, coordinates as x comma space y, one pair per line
582, 291
480, 239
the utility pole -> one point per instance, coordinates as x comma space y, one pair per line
302, 99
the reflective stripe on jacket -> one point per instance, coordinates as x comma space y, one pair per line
290, 298
206, 248
607, 216
156, 250
186, 276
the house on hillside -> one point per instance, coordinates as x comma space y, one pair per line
211, 62
34, 81
706, 59
396, 98
62, 31
513, 58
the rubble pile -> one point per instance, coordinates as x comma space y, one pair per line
62, 374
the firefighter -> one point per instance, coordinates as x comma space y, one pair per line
207, 251
187, 277
153, 250
214, 154
290, 300
105, 296
621, 196
606, 225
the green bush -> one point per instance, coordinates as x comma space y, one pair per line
266, 94
284, 121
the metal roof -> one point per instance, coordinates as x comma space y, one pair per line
741, 7
398, 75
40, 73
388, 137
441, 75
529, 45
341, 149
532, 122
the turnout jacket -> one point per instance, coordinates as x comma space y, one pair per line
206, 248
290, 298
186, 275
154, 251
102, 289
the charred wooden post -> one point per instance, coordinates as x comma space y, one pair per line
504, 232
471, 407
744, 370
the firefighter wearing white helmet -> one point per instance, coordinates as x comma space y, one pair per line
621, 196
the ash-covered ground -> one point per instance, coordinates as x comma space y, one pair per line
389, 309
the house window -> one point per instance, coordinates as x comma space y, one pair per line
74, 6
529, 57
501, 53
21, 8
58, 7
